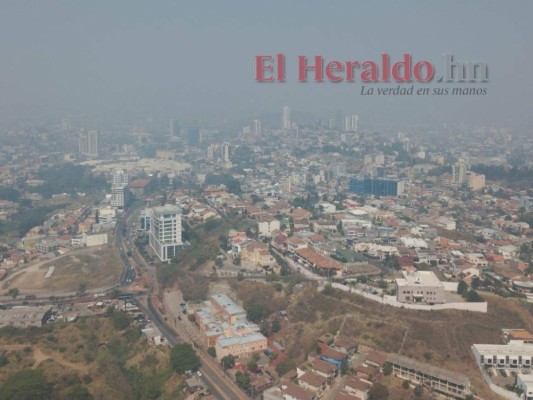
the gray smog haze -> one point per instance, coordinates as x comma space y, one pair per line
195, 60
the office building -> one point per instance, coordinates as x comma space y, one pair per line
475, 181
256, 127
83, 146
120, 196
449, 383
420, 287
526, 202
93, 144
459, 173
120, 178
376, 187
286, 118
518, 357
174, 127
350, 123
193, 135
165, 231
225, 156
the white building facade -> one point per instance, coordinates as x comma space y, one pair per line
165, 231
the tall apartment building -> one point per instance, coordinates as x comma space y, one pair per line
88, 144
475, 181
459, 173
120, 196
286, 118
93, 145
165, 231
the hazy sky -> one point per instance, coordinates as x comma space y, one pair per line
195, 59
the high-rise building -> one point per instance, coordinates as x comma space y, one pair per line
83, 146
475, 181
120, 178
193, 135
459, 173
210, 152
376, 187
120, 196
65, 124
350, 123
256, 127
174, 127
165, 230
92, 143
286, 118
225, 156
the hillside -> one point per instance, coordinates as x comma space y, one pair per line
88, 359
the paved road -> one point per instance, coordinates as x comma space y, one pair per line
221, 386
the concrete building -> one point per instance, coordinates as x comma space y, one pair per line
267, 225
420, 287
95, 240
24, 317
286, 118
93, 145
120, 196
475, 181
165, 231
508, 356
240, 345
440, 380
459, 173
120, 178
525, 382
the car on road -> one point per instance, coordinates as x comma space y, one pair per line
198, 373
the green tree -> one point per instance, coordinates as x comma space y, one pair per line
243, 380
265, 327
344, 366
405, 384
212, 351
378, 392
13, 292
227, 362
462, 287
276, 325
252, 366
120, 319
82, 288
184, 358
387, 369
428, 355
26, 384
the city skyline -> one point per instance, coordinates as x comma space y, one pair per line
159, 62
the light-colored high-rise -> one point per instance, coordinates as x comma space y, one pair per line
120, 196
256, 127
165, 231
459, 173
350, 123
286, 118
225, 156
92, 143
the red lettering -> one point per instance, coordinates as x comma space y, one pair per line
331, 68
418, 71
369, 74
404, 65
385, 67
350, 70
260, 67
303, 68
281, 67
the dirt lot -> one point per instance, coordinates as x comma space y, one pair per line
95, 267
